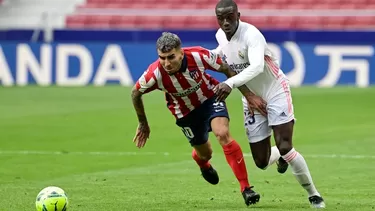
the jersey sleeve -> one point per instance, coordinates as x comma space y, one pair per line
211, 59
256, 47
218, 51
148, 81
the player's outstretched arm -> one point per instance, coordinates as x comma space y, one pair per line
225, 68
212, 61
146, 83
138, 105
256, 45
254, 102
143, 130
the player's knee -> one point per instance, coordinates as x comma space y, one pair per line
284, 144
283, 137
206, 157
261, 160
222, 135
261, 163
203, 152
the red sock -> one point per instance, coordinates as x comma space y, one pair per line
235, 159
204, 164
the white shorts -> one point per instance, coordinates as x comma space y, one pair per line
280, 110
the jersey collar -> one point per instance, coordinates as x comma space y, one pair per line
238, 31
184, 64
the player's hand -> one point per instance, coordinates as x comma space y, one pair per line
257, 103
142, 134
222, 90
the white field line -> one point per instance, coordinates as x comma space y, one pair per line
27, 152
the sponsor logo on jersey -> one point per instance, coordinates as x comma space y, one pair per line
239, 67
188, 91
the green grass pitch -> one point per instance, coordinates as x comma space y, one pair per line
80, 139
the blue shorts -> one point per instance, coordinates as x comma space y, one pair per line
197, 124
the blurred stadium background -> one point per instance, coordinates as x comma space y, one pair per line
316, 40
65, 121
195, 14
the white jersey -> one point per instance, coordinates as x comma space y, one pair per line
247, 54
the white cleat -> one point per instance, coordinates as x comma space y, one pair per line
317, 202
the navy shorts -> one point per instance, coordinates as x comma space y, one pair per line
197, 124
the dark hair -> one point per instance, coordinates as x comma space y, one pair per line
167, 42
227, 3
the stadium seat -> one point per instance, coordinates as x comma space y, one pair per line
77, 21
296, 6
348, 6
309, 23
336, 22
196, 22
94, 21
323, 6
177, 22
202, 22
360, 22
305, 2
259, 22
283, 22
145, 22
185, 6
123, 22
268, 6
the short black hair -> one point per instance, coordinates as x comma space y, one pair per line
227, 3
167, 42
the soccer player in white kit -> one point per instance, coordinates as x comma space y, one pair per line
245, 49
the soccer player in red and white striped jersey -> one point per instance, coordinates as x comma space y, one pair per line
187, 89
180, 73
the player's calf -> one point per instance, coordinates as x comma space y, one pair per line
261, 152
261, 164
232, 150
264, 155
202, 154
259, 135
283, 136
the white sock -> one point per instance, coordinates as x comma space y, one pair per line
301, 171
275, 155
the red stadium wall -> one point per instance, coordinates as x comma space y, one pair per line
116, 14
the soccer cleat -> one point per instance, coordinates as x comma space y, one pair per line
317, 202
282, 165
250, 196
210, 175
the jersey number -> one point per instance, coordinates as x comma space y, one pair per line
188, 132
250, 118
218, 105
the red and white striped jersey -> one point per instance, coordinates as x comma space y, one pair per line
188, 88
